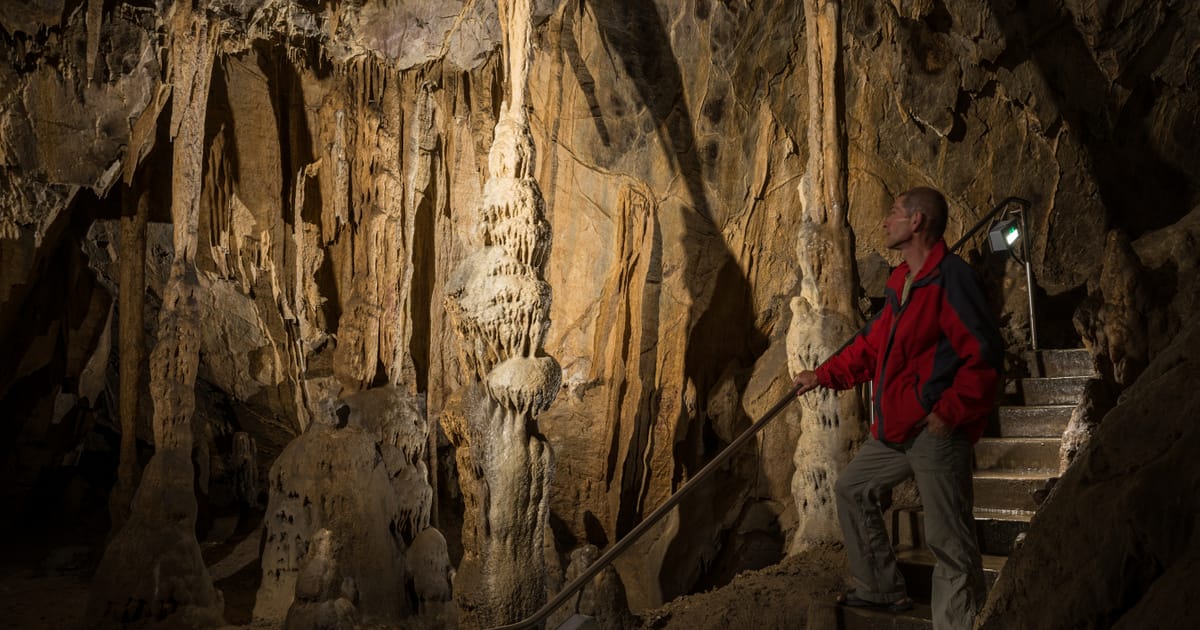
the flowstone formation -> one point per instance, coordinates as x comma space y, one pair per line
152, 572
500, 304
824, 314
349, 499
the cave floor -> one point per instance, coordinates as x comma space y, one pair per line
777, 596
41, 589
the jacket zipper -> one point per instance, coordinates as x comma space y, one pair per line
887, 353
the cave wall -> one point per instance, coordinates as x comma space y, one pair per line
345, 145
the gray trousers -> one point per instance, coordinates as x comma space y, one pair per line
942, 468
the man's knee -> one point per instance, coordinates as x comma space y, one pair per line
857, 491
846, 489
956, 548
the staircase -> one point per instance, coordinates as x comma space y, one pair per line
1015, 463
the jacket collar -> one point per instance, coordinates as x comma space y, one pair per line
936, 254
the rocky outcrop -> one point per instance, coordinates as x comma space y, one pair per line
132, 293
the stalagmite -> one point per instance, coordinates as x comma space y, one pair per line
153, 568
500, 303
350, 494
824, 314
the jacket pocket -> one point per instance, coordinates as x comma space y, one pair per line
916, 387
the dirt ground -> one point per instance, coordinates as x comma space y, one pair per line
773, 597
44, 591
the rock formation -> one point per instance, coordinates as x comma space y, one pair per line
501, 306
348, 499
324, 598
825, 313
153, 570
132, 294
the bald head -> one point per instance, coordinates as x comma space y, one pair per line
929, 203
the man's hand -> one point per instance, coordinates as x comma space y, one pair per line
937, 426
805, 381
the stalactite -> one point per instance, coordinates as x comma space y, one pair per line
824, 314
423, 139
304, 333
500, 304
95, 19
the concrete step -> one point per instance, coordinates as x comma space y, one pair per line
1010, 490
1072, 362
1058, 390
1022, 453
830, 616
916, 565
1035, 421
996, 530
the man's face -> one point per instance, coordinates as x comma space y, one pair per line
898, 226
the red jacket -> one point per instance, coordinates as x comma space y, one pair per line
940, 351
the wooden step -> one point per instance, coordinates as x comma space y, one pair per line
916, 565
998, 530
825, 615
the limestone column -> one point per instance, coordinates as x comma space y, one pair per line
132, 298
824, 314
500, 305
153, 568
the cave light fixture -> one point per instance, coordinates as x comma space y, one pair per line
1008, 232
1005, 235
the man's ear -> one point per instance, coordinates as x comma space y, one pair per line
919, 220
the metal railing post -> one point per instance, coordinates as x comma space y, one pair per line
1033, 339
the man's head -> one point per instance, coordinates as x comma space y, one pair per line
919, 213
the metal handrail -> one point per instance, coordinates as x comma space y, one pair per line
1024, 203
627, 540
621, 545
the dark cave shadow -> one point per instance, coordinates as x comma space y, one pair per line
1130, 175
723, 330
587, 83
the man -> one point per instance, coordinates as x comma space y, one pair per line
935, 356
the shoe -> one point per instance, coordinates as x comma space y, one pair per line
850, 599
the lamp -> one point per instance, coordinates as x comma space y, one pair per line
1005, 235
